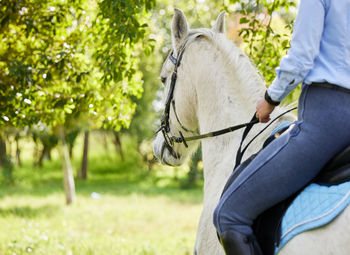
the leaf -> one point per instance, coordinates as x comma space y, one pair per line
243, 20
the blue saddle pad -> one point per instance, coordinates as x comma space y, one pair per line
315, 207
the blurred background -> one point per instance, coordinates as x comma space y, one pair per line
79, 105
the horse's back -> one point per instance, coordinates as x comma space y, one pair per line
330, 239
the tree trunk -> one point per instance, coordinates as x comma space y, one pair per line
8, 146
35, 151
70, 147
105, 142
45, 153
68, 178
5, 162
18, 152
2, 151
84, 163
118, 145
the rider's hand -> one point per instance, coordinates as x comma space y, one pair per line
263, 110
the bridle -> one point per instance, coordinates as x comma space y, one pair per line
165, 125
169, 139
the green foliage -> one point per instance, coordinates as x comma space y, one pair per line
54, 55
122, 25
145, 119
264, 42
41, 61
77, 63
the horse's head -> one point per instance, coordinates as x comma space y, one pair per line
180, 97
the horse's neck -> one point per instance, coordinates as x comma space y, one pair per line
227, 91
226, 96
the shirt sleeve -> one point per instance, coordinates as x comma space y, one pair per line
305, 46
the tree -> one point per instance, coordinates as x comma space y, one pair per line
53, 57
84, 163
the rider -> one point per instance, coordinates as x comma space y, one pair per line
320, 59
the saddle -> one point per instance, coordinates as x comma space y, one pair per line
267, 227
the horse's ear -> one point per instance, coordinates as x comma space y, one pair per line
179, 28
219, 25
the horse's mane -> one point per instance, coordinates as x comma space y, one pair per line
246, 80
236, 60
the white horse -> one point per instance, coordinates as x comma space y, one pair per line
217, 87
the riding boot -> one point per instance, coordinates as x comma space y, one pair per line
235, 243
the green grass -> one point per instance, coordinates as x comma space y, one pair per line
137, 211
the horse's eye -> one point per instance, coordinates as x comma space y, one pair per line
163, 79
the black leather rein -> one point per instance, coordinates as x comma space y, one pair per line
183, 139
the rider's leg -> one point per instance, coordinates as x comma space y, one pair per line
288, 163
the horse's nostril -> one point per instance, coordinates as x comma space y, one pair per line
166, 162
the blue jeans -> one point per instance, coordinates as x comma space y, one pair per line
290, 161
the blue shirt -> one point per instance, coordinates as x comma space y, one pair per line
320, 48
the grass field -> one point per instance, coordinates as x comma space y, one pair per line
121, 209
